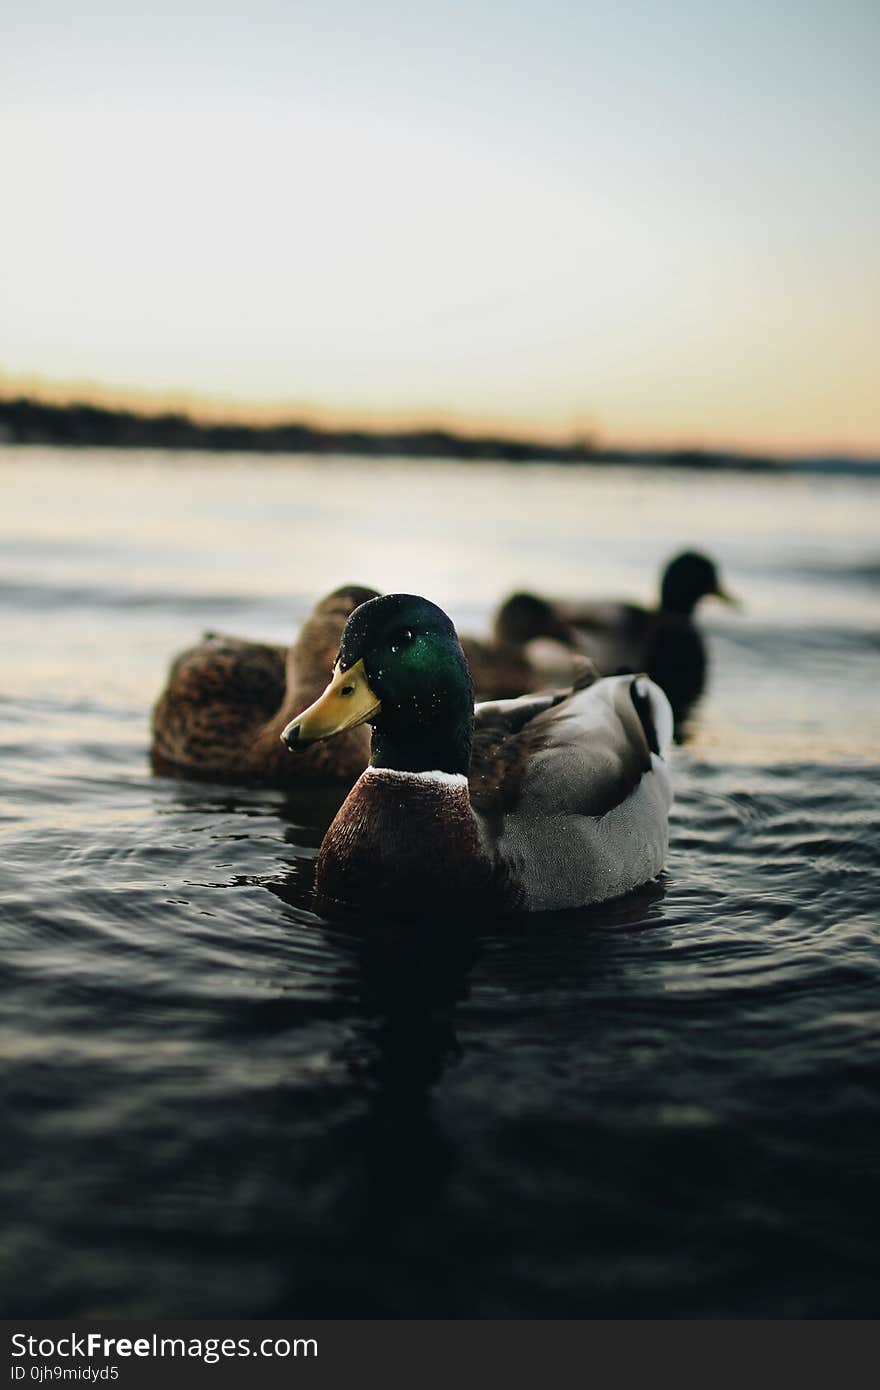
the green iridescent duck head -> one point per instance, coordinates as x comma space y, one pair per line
401, 669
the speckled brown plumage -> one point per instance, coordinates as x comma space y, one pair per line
221, 713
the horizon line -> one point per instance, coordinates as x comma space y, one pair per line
205, 409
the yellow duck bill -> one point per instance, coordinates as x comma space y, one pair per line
347, 702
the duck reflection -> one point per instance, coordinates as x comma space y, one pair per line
412, 976
390, 1161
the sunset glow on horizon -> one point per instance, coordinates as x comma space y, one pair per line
655, 224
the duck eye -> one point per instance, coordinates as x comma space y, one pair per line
402, 639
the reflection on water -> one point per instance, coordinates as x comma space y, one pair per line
218, 1102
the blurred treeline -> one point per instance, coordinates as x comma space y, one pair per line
24, 420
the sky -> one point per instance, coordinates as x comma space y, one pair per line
652, 222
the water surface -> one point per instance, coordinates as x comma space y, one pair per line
217, 1102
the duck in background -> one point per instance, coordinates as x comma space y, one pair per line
664, 641
226, 701
544, 802
532, 648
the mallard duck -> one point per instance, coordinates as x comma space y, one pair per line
532, 649
543, 802
664, 641
227, 700
501, 671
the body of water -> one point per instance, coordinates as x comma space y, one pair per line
217, 1102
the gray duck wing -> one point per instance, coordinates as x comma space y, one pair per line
573, 803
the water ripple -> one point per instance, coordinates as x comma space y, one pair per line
220, 1103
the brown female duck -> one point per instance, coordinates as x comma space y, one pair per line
531, 649
226, 701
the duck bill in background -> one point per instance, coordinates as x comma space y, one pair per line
347, 702
730, 599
